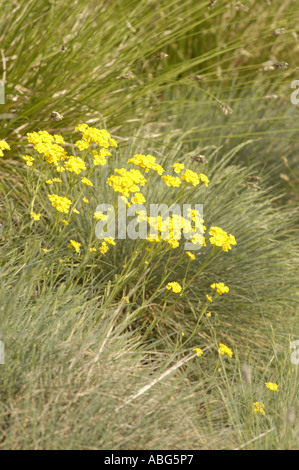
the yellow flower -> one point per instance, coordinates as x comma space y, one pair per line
92, 250
191, 255
45, 250
209, 314
223, 349
174, 286
103, 248
3, 146
53, 152
190, 177
62, 204
220, 238
178, 167
86, 201
99, 158
82, 144
41, 137
209, 298
272, 386
49, 181
110, 240
99, 216
35, 216
112, 143
198, 351
138, 198
220, 287
75, 211
171, 180
28, 160
126, 182
97, 136
58, 139
75, 245
259, 408
60, 169
75, 164
148, 162
126, 299
86, 181
204, 179
64, 222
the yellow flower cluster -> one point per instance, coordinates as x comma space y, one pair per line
53, 180
148, 162
75, 245
99, 216
220, 238
48, 146
75, 164
86, 181
171, 180
198, 351
169, 229
43, 137
28, 160
220, 287
191, 177
99, 158
100, 137
104, 246
138, 198
126, 182
174, 286
272, 386
259, 408
223, 349
3, 146
35, 216
178, 167
62, 204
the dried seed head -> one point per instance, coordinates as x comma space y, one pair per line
253, 186
245, 53
246, 374
199, 158
255, 178
198, 78
240, 6
290, 416
63, 47
131, 27
268, 65
225, 108
161, 55
12, 97
284, 177
126, 76
281, 65
56, 116
271, 97
278, 31
285, 161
